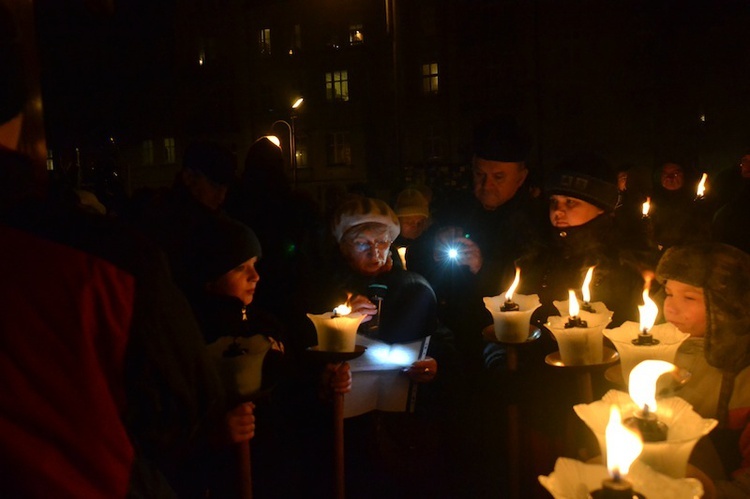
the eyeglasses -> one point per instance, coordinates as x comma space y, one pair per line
367, 246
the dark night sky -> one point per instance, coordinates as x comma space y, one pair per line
649, 64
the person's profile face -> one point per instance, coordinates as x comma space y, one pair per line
205, 191
565, 211
412, 226
239, 282
496, 182
685, 307
672, 176
366, 250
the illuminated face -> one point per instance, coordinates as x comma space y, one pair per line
565, 211
745, 166
412, 226
672, 176
204, 190
685, 307
366, 250
239, 282
496, 182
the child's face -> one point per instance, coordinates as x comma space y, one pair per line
239, 282
685, 307
566, 211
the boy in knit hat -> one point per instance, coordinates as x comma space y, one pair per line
245, 344
708, 296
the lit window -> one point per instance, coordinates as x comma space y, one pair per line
206, 50
50, 161
430, 78
337, 86
300, 151
148, 152
169, 149
264, 41
355, 34
339, 149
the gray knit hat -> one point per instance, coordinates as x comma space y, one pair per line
361, 210
587, 177
723, 272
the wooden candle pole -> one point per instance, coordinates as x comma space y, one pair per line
338, 443
246, 477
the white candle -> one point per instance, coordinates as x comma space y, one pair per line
337, 330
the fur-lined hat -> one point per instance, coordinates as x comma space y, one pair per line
361, 210
723, 272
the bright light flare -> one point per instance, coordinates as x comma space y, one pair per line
623, 445
573, 308
702, 185
342, 310
646, 207
512, 288
642, 382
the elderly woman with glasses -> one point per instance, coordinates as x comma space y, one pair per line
400, 307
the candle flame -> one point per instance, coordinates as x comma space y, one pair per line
573, 308
702, 185
646, 206
402, 255
342, 309
512, 288
642, 382
648, 312
585, 293
623, 445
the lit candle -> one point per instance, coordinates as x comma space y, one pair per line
642, 389
647, 312
512, 318
509, 305
574, 309
337, 330
646, 207
585, 293
701, 187
402, 255
623, 447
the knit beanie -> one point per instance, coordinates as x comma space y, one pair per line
587, 177
501, 139
219, 246
411, 202
361, 210
723, 272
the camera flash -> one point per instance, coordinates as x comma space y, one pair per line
453, 253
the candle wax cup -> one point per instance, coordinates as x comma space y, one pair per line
512, 326
670, 338
336, 333
580, 346
670, 456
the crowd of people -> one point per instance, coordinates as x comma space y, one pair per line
143, 352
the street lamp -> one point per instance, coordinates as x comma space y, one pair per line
292, 138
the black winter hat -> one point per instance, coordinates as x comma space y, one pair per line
587, 177
219, 246
723, 272
501, 139
212, 160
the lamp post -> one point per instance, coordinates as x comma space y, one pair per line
292, 138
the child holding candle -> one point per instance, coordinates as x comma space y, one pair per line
708, 296
224, 254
